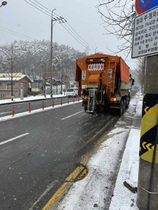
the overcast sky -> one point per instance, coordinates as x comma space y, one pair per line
81, 15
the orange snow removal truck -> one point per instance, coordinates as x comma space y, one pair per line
104, 82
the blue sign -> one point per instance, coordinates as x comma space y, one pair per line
145, 5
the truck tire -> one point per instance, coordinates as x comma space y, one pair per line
85, 108
127, 103
122, 108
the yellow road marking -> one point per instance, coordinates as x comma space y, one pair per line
64, 187
60, 192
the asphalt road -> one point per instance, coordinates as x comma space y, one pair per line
38, 152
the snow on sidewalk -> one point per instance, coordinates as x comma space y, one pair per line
97, 189
123, 198
29, 98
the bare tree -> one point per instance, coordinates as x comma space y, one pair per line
118, 17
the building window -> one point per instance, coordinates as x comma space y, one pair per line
24, 85
1, 95
9, 83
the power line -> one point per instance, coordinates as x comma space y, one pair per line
74, 32
67, 26
78, 37
14, 33
44, 7
38, 8
74, 36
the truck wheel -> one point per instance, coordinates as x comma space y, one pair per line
122, 108
127, 103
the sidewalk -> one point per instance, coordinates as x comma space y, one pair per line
98, 191
128, 173
29, 98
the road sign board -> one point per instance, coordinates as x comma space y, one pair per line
145, 34
145, 5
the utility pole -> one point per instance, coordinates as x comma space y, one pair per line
59, 20
11, 69
148, 162
61, 81
147, 196
51, 55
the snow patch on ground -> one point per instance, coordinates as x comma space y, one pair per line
29, 98
95, 189
123, 197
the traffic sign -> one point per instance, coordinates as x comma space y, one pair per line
145, 5
145, 34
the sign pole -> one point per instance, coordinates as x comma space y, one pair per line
145, 43
148, 162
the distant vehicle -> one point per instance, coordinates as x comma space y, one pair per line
72, 92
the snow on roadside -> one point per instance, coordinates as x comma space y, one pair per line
123, 198
95, 190
9, 117
29, 98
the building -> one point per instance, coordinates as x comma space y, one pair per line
36, 87
18, 81
60, 82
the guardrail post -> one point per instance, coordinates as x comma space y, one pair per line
68, 100
29, 107
12, 109
43, 105
61, 101
52, 102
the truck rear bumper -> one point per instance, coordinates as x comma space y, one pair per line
115, 106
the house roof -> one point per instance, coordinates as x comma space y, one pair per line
15, 78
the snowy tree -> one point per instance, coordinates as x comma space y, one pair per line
33, 58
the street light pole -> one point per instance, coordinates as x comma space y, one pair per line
3, 3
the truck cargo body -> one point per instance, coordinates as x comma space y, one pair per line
103, 80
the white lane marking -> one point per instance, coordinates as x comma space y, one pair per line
4, 113
71, 115
12, 139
